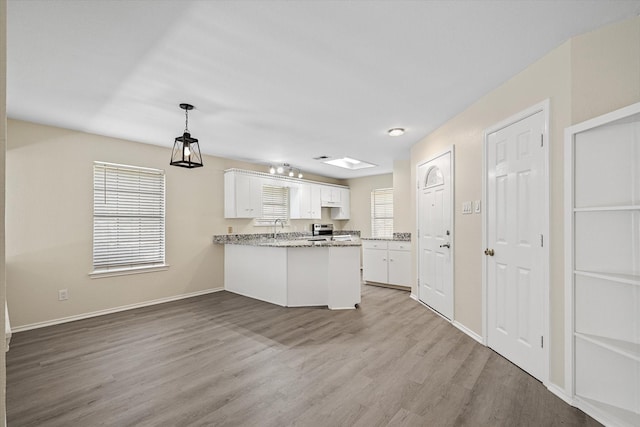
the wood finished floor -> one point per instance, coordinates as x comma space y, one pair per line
226, 360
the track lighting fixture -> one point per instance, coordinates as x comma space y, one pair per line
285, 168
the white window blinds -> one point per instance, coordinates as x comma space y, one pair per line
128, 217
382, 213
275, 203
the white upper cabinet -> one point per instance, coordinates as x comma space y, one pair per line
242, 195
331, 196
305, 201
344, 210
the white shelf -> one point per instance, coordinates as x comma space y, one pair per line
629, 279
609, 414
608, 208
602, 286
624, 348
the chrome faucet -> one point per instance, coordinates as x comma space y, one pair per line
275, 227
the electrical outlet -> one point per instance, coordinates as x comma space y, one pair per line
229, 230
63, 295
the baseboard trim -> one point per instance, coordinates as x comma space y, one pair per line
111, 310
455, 323
468, 331
561, 393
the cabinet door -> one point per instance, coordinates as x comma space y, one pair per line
330, 196
399, 267
305, 202
314, 202
374, 265
296, 205
344, 211
248, 191
242, 195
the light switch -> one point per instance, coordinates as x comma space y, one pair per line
476, 206
466, 208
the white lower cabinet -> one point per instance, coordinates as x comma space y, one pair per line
295, 276
387, 262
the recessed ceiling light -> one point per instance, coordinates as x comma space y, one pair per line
349, 163
395, 131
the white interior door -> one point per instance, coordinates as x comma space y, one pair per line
435, 231
514, 236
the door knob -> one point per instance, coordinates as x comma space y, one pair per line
446, 245
489, 252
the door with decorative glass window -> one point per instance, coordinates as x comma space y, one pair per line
435, 233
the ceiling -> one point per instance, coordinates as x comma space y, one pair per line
277, 81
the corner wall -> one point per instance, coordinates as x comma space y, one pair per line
361, 189
49, 221
3, 148
584, 77
402, 190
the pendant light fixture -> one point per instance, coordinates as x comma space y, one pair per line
186, 150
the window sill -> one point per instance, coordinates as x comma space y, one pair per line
98, 274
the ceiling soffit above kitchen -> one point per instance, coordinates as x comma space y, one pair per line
277, 81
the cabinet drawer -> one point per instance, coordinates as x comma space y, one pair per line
374, 244
400, 246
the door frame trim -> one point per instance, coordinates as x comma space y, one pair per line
543, 107
452, 212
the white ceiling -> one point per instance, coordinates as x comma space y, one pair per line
277, 81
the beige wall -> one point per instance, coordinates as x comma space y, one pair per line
3, 147
402, 189
605, 70
361, 189
49, 224
600, 72
361, 201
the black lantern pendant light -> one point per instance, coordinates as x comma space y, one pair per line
186, 150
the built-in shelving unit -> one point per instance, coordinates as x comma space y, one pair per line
602, 255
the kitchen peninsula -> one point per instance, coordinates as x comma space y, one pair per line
293, 273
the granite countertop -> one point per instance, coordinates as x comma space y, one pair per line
397, 237
285, 240
296, 243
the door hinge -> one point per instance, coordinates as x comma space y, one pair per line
542, 241
417, 185
541, 140
542, 342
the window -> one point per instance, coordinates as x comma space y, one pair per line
434, 177
382, 213
275, 204
128, 218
